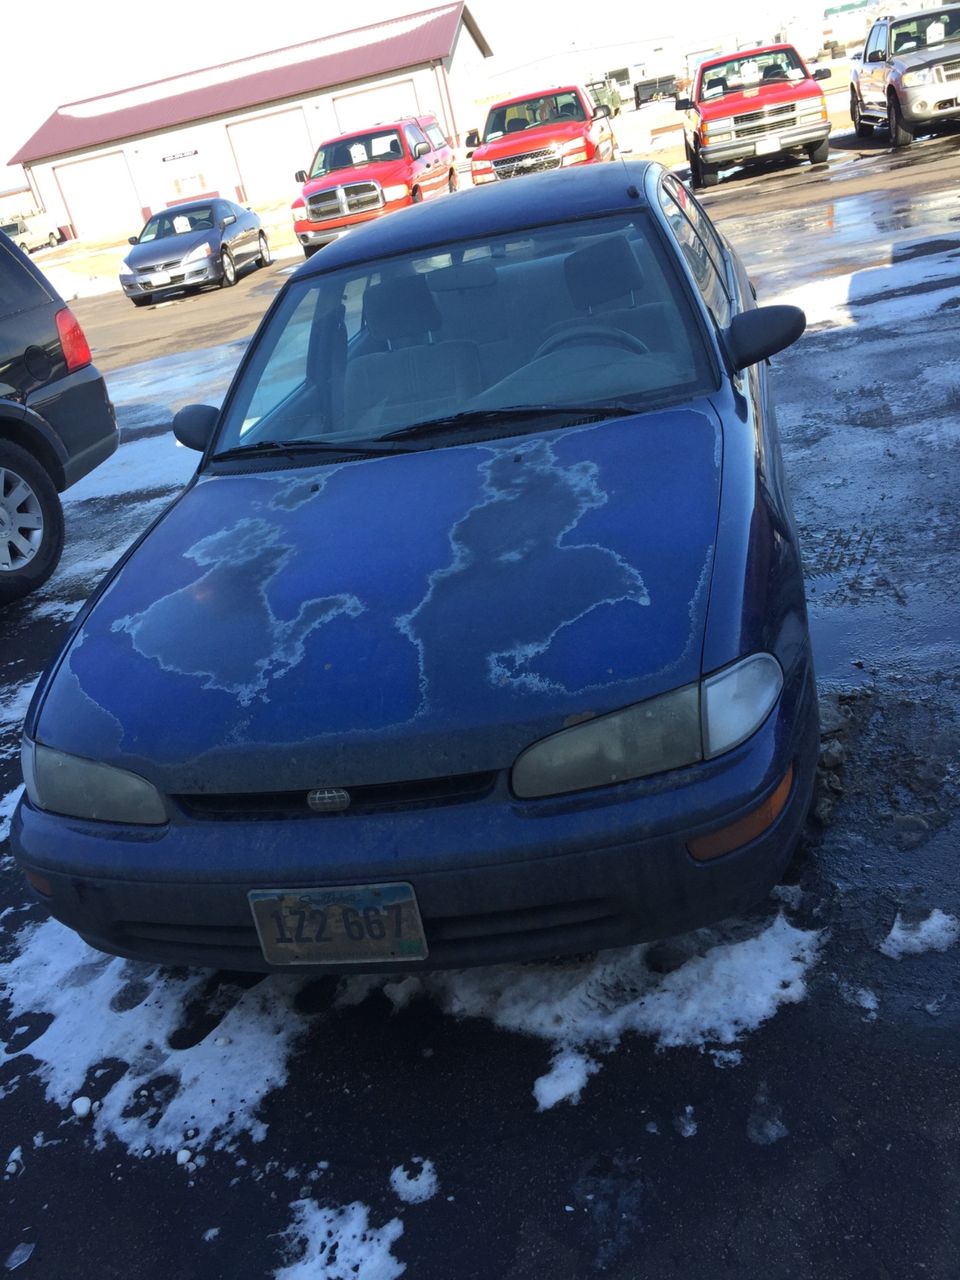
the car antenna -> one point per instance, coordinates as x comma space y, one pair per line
632, 191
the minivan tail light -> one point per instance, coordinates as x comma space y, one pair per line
76, 351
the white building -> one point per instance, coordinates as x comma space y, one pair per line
99, 168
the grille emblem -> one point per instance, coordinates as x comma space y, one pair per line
328, 799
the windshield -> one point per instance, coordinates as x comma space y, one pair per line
363, 148
563, 104
736, 74
177, 222
593, 314
924, 30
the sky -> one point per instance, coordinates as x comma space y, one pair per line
81, 51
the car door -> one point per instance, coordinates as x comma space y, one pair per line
873, 71
427, 173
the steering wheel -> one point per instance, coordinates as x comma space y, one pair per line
584, 334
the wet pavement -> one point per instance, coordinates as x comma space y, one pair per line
821, 1140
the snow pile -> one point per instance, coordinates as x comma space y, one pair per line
340, 1244
723, 991
158, 462
938, 932
418, 1186
105, 1010
14, 703
7, 805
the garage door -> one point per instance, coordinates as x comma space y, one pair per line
269, 151
100, 197
376, 106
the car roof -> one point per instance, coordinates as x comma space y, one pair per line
379, 124
914, 13
190, 204
561, 196
534, 93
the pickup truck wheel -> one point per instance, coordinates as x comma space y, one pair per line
309, 250
901, 135
31, 523
818, 152
52, 240
700, 174
863, 130
415, 195
452, 181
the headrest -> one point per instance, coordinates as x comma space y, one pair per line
472, 275
401, 308
601, 271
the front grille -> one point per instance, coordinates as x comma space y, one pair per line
529, 162
755, 124
421, 792
340, 202
951, 71
159, 266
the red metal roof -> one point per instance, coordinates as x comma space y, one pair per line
301, 69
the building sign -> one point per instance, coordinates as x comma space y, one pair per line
181, 155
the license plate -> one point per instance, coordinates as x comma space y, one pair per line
349, 924
160, 277
765, 146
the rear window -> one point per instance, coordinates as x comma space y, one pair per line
19, 288
594, 313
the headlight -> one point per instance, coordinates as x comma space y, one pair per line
87, 789
717, 130
397, 192
201, 251
693, 723
816, 108
913, 78
126, 270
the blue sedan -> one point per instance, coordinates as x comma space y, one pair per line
190, 245
479, 634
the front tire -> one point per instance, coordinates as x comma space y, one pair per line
31, 523
52, 240
228, 276
901, 135
863, 130
452, 181
310, 249
818, 152
416, 196
700, 174
264, 256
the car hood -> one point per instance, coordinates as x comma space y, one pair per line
169, 249
532, 139
773, 94
918, 59
414, 616
386, 172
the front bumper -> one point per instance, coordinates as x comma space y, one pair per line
496, 879
317, 234
927, 102
721, 154
204, 271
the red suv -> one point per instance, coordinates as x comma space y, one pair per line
366, 174
753, 105
546, 130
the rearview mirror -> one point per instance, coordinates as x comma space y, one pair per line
822, 73
225, 222
473, 138
756, 335
193, 425
300, 176
682, 104
877, 55
602, 110
421, 149
131, 239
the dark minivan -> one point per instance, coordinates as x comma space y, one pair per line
56, 420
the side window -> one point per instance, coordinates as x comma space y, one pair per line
19, 291
876, 39
698, 251
413, 137
436, 136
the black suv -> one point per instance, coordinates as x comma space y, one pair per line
56, 420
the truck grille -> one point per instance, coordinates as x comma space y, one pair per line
755, 124
951, 71
529, 162
341, 202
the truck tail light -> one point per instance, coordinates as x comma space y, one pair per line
76, 350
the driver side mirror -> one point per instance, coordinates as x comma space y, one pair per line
683, 104
473, 138
230, 217
602, 110
300, 176
756, 335
823, 73
193, 425
877, 55
131, 239
421, 149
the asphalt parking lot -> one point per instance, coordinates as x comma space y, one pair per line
774, 1097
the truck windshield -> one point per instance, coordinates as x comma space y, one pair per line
934, 27
361, 148
749, 70
561, 104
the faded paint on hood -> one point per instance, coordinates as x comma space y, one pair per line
412, 616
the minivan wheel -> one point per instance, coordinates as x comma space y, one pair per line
31, 523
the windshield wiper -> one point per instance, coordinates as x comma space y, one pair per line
294, 448
507, 414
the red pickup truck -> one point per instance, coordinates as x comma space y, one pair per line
363, 175
753, 105
546, 130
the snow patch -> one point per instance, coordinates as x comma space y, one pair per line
565, 1080
685, 1124
418, 1186
938, 932
7, 805
340, 1244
